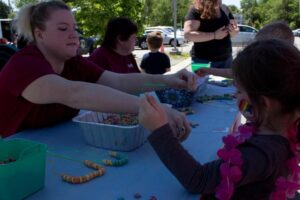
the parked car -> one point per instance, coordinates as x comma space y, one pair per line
296, 32
245, 36
86, 43
168, 37
141, 41
179, 31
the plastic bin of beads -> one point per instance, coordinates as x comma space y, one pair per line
22, 168
119, 132
179, 98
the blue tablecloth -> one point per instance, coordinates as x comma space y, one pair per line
144, 174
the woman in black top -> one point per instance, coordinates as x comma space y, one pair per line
209, 24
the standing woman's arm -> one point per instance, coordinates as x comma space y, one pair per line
191, 32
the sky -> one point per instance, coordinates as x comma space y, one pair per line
232, 2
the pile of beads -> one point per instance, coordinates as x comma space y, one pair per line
8, 160
222, 83
205, 98
82, 179
120, 159
186, 110
121, 119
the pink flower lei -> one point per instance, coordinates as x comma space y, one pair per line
231, 172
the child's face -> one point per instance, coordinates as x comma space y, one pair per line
243, 102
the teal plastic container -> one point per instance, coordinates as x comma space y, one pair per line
197, 66
26, 175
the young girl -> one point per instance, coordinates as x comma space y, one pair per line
46, 83
260, 161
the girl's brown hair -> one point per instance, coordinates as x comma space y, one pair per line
269, 68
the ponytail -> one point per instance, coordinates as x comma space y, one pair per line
24, 28
34, 16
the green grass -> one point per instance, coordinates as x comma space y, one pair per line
183, 55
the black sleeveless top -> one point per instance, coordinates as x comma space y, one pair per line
213, 50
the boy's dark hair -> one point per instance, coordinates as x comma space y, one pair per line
120, 27
269, 68
154, 40
276, 30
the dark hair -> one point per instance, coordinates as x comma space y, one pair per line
276, 30
121, 27
269, 68
154, 40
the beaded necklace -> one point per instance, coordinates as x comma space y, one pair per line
231, 173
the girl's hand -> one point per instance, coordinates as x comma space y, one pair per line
203, 72
151, 114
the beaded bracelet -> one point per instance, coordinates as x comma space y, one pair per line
83, 179
205, 98
120, 159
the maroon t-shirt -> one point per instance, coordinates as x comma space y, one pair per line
16, 113
110, 60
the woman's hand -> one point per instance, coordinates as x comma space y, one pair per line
183, 79
153, 115
221, 33
233, 28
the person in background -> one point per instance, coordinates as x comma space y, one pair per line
155, 62
46, 83
115, 52
3, 41
209, 24
276, 30
260, 161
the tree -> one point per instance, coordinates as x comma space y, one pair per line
260, 12
20, 3
4, 10
234, 9
93, 15
162, 12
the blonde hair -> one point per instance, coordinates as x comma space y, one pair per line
34, 16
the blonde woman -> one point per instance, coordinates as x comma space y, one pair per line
46, 83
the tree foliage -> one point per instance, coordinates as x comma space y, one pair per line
20, 3
257, 13
160, 12
4, 10
93, 15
